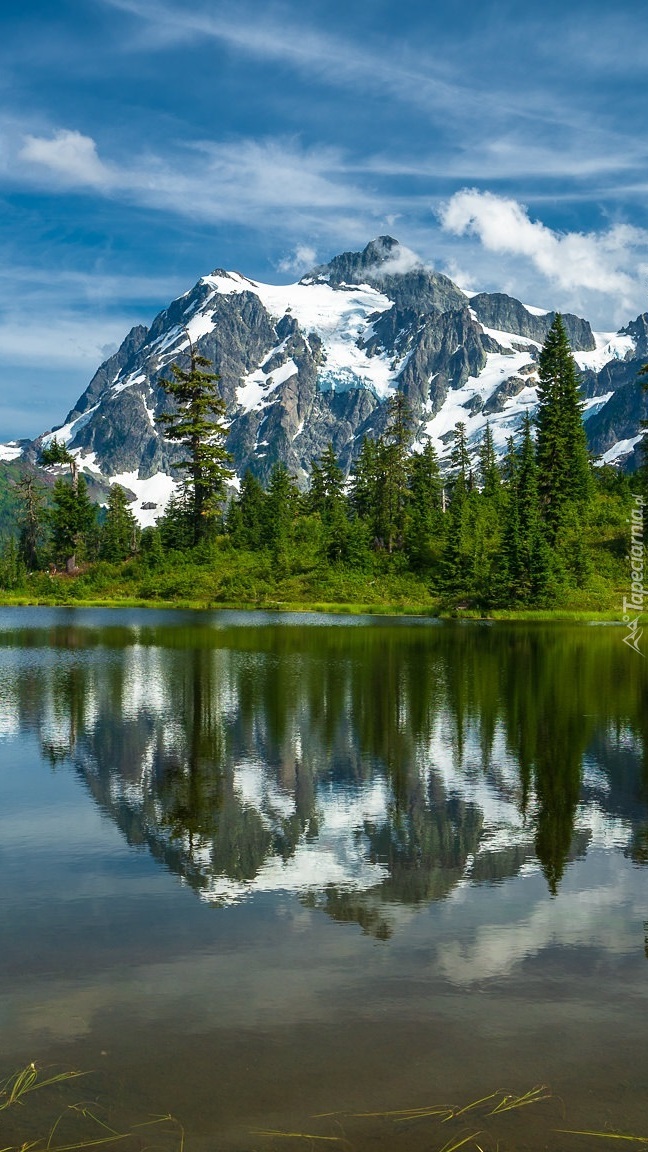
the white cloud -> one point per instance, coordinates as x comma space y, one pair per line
301, 259
59, 340
605, 262
236, 182
401, 260
69, 155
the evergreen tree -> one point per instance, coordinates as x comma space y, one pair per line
365, 486
425, 520
12, 568
564, 476
393, 473
326, 497
177, 524
282, 506
31, 520
56, 453
489, 474
457, 557
459, 457
316, 495
457, 561
533, 555
246, 521
72, 518
511, 561
197, 424
120, 530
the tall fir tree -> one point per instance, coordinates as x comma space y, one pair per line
283, 501
120, 531
327, 497
31, 520
177, 524
564, 474
457, 563
457, 560
533, 555
510, 560
246, 519
197, 424
489, 473
364, 492
460, 457
392, 494
425, 520
72, 518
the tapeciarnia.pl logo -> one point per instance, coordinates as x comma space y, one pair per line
635, 602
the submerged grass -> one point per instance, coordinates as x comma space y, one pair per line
77, 1125
482, 1125
485, 1132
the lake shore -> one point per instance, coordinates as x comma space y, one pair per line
430, 609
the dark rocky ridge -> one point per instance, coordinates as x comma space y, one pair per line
496, 310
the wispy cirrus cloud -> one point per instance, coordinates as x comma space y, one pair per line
241, 181
394, 69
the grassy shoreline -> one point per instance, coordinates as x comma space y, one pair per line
338, 608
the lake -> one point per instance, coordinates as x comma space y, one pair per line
299, 874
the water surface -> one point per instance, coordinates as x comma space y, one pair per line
259, 868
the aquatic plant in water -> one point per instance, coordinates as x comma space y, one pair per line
77, 1126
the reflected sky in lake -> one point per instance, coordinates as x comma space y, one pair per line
338, 859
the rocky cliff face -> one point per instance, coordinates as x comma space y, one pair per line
304, 364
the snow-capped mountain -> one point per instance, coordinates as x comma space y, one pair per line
305, 363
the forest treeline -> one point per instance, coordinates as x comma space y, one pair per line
541, 527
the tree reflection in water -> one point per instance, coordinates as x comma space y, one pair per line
363, 767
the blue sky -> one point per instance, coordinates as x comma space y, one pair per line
143, 143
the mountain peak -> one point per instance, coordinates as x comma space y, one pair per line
356, 267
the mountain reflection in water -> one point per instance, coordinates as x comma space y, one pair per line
366, 769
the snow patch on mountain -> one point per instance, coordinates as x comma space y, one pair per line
620, 449
343, 319
156, 490
10, 451
67, 432
258, 385
609, 346
456, 408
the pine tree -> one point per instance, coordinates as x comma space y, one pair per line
425, 520
282, 506
489, 474
31, 520
120, 530
177, 524
55, 453
564, 476
457, 557
459, 457
197, 425
326, 497
316, 495
511, 551
364, 493
457, 561
393, 467
72, 518
533, 555
246, 521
